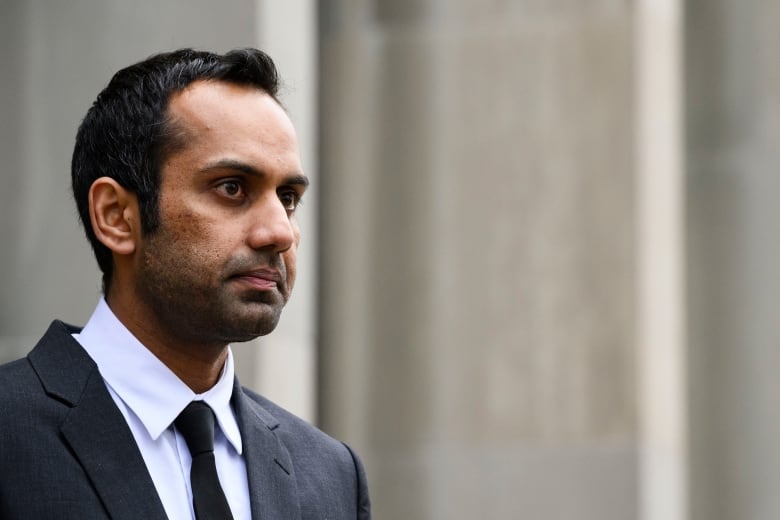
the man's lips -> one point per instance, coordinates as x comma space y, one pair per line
263, 278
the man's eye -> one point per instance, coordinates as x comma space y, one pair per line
290, 200
231, 189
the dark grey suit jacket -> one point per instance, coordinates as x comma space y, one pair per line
66, 451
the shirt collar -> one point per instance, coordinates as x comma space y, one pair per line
149, 388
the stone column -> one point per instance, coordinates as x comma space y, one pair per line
478, 280
660, 250
733, 131
283, 364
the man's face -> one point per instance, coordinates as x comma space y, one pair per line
222, 263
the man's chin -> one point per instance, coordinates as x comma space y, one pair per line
246, 326
271, 297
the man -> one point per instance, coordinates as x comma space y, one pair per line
187, 177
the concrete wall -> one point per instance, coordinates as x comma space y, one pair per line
478, 282
733, 132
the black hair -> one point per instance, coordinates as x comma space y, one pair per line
126, 133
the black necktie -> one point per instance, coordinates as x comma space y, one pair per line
196, 425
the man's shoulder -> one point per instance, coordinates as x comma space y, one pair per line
12, 376
15, 378
24, 394
324, 466
295, 432
282, 419
55, 355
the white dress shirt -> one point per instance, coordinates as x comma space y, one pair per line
150, 397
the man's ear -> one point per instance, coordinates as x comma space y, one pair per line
114, 213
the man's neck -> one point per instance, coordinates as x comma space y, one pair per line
197, 365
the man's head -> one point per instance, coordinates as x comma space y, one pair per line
127, 133
186, 173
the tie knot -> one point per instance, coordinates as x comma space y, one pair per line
196, 425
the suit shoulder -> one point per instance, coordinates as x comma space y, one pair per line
295, 430
282, 416
13, 369
17, 380
320, 463
23, 382
23, 398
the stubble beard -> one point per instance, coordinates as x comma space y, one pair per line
196, 303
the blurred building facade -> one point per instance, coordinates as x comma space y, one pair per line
537, 269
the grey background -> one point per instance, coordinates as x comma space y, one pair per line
477, 334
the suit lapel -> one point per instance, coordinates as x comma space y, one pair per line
95, 428
272, 487
104, 445
99, 436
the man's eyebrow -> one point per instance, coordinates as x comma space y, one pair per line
232, 164
297, 179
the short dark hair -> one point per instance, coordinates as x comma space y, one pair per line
127, 134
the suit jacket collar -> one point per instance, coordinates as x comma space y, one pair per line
97, 433
272, 486
94, 428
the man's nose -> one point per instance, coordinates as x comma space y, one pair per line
272, 226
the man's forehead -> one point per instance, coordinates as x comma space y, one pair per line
204, 89
213, 122
203, 102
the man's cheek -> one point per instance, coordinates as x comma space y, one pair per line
289, 258
296, 229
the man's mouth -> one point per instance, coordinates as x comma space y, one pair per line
261, 279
